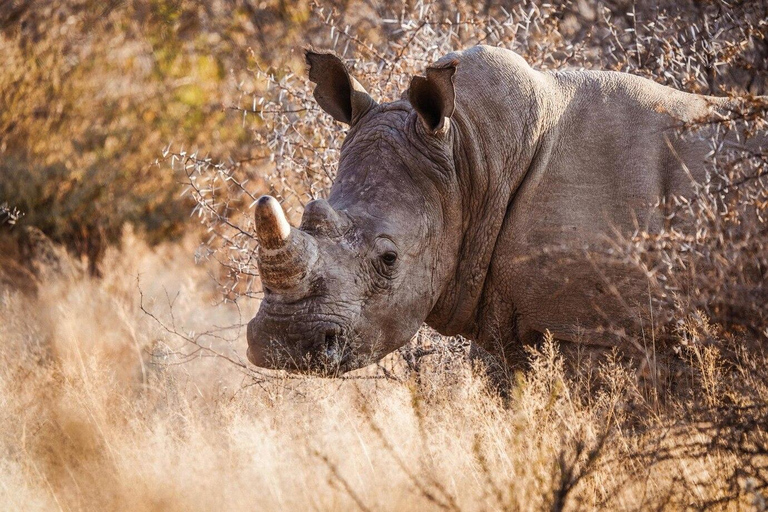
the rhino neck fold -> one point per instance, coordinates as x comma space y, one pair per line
491, 165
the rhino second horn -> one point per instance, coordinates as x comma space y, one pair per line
320, 218
272, 228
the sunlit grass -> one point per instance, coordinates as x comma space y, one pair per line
97, 415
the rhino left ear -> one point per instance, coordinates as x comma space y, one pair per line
433, 96
337, 92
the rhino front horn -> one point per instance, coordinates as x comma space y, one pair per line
272, 228
286, 255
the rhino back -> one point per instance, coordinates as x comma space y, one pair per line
615, 151
569, 158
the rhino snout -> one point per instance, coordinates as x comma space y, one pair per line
310, 346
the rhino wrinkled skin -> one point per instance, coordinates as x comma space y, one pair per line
469, 205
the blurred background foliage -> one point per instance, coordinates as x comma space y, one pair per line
92, 92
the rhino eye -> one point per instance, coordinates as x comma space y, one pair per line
389, 258
385, 257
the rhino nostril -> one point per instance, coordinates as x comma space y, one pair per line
332, 349
331, 338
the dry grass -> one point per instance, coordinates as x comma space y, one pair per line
103, 409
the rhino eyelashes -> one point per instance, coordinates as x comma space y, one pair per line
389, 258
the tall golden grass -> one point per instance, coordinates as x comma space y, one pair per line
100, 411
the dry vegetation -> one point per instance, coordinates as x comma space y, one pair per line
129, 391
104, 409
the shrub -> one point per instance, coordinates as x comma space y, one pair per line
91, 93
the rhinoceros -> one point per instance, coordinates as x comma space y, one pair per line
451, 205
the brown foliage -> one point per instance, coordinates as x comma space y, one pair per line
91, 93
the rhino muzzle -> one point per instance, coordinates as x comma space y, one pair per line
312, 345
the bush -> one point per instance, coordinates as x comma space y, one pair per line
90, 94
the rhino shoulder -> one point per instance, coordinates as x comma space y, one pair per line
488, 57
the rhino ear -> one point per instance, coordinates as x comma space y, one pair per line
337, 92
433, 96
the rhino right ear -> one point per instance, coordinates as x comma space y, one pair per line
433, 96
337, 92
